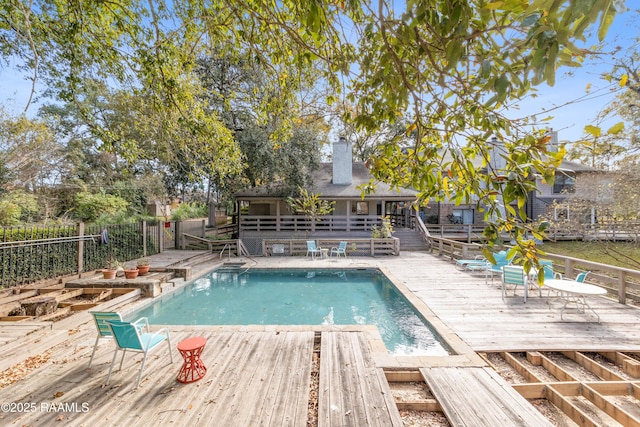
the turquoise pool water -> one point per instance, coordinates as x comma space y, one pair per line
300, 297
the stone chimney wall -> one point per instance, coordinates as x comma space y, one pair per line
342, 162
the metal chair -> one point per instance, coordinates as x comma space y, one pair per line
313, 249
581, 276
341, 249
501, 260
101, 318
515, 275
129, 337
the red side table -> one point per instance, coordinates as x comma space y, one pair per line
193, 368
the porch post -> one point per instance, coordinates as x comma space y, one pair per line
348, 215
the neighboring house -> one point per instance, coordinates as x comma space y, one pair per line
263, 214
547, 201
544, 202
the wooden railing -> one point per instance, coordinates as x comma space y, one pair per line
355, 247
622, 282
295, 223
463, 232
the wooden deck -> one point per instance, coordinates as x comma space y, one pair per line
478, 315
262, 375
353, 391
253, 378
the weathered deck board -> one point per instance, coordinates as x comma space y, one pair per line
242, 370
476, 312
353, 392
477, 397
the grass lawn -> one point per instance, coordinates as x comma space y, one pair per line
621, 254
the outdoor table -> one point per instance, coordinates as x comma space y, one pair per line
324, 253
193, 369
573, 292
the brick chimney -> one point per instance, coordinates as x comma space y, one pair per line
342, 162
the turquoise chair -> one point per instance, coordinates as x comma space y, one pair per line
128, 336
472, 264
547, 266
515, 275
340, 250
313, 249
501, 260
100, 319
549, 273
582, 276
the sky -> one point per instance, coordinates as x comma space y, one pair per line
567, 101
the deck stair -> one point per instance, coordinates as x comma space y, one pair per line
410, 240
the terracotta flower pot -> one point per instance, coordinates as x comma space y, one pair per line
143, 269
131, 274
109, 274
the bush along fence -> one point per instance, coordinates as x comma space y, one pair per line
30, 254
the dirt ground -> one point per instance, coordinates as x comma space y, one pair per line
581, 374
417, 392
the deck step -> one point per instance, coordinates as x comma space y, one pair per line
476, 397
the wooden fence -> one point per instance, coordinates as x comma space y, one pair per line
624, 283
355, 247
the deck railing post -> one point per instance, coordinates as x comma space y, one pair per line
622, 287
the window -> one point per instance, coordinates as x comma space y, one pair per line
462, 216
563, 184
362, 208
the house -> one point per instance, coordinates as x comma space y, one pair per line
545, 202
263, 214
266, 215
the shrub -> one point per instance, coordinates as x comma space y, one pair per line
89, 207
188, 211
17, 207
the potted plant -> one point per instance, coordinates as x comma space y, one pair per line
111, 269
130, 273
143, 266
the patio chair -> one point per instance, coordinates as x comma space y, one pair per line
475, 263
129, 336
101, 318
501, 260
515, 275
340, 250
581, 276
549, 273
547, 266
313, 249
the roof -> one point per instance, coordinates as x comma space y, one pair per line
569, 166
323, 185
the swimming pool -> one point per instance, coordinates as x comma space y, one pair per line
301, 297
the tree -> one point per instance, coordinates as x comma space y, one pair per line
236, 87
448, 67
310, 205
604, 146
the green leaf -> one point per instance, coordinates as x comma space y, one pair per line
605, 22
